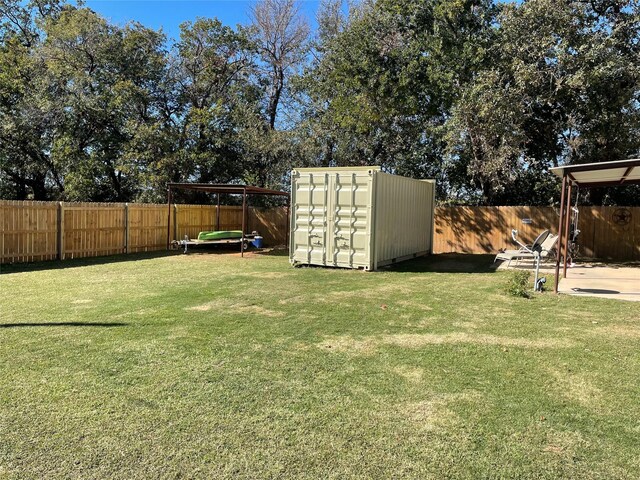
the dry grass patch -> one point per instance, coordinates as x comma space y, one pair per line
268, 275
409, 321
466, 325
618, 331
562, 444
368, 345
418, 340
413, 304
410, 374
435, 413
346, 344
577, 388
378, 293
218, 305
429, 415
484, 311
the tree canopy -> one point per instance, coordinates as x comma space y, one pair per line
481, 95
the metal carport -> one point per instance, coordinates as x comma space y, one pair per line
243, 190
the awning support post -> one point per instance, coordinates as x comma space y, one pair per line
560, 227
567, 231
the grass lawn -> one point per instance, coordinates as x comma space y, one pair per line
213, 366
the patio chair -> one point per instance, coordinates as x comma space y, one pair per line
541, 249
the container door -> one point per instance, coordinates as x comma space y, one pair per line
309, 218
349, 219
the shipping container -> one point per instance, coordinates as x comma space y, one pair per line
359, 217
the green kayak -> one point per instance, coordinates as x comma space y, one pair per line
220, 235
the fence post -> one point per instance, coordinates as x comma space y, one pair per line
175, 222
60, 228
126, 228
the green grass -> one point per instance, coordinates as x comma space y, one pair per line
213, 366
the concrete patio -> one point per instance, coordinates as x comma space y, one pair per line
620, 282
616, 281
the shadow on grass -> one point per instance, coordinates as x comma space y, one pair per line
63, 324
82, 262
279, 251
446, 263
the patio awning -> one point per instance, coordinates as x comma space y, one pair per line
602, 174
588, 175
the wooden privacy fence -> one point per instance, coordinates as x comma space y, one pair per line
35, 231
611, 233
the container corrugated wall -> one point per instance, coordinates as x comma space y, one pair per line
358, 217
403, 218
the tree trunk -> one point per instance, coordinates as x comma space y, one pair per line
39, 189
274, 99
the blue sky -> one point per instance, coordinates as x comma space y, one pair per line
169, 14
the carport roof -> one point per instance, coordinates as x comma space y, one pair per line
602, 174
227, 188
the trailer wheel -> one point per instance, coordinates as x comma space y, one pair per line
245, 245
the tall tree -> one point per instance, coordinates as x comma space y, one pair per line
561, 85
102, 79
281, 34
384, 86
27, 118
213, 63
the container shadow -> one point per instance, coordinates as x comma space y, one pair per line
63, 324
446, 263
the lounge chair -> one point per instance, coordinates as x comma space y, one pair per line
541, 248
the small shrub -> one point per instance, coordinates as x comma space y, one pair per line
518, 284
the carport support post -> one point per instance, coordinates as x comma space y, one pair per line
218, 213
560, 226
567, 232
244, 214
169, 199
